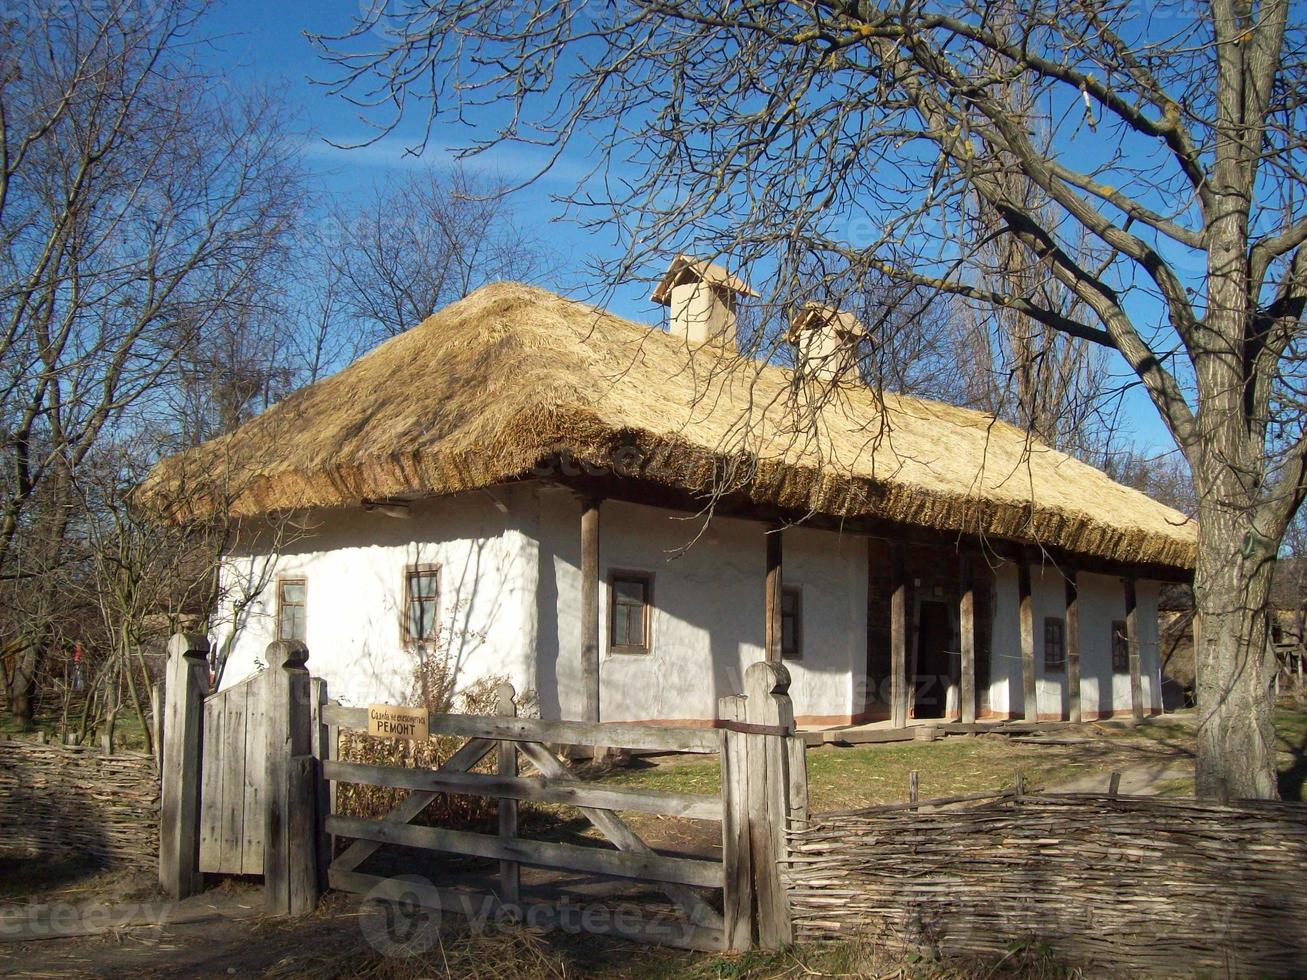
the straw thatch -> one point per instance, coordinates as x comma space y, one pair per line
482, 391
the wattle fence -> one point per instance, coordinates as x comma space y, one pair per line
76, 801
1141, 884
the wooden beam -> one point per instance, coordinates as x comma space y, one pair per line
1073, 646
967, 627
898, 637
774, 586
1030, 696
183, 757
590, 609
1132, 641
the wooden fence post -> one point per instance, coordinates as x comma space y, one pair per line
770, 716
290, 841
179, 830
323, 751
510, 872
737, 894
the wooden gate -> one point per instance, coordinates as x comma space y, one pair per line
248, 787
232, 779
512, 740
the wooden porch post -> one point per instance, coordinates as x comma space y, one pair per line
1073, 646
1030, 696
590, 608
183, 731
774, 585
967, 627
898, 637
1132, 642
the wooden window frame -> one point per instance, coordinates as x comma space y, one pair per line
303, 583
427, 568
1121, 665
647, 579
1057, 666
797, 652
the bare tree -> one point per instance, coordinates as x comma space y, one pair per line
424, 241
139, 197
1172, 141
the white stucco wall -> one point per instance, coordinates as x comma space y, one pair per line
707, 621
510, 590
1101, 601
354, 564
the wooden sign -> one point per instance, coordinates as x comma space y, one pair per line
397, 721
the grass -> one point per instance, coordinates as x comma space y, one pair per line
129, 734
872, 775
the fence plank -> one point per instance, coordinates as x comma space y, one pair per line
646, 866
322, 796
510, 878
737, 895
614, 734
465, 758
256, 739
232, 763
211, 785
696, 806
612, 827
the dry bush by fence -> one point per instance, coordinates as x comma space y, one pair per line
1140, 884
72, 800
460, 811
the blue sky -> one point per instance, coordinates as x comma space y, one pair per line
263, 43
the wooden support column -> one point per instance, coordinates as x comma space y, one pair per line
967, 627
774, 585
899, 603
590, 608
183, 755
1073, 646
1030, 696
1132, 642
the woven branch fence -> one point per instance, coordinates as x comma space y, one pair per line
73, 800
1133, 884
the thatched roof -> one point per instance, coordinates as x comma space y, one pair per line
482, 391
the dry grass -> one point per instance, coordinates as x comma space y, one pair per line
488, 387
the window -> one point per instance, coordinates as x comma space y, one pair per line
1054, 644
631, 596
421, 602
1120, 648
291, 596
792, 622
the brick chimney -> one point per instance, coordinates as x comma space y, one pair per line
826, 343
702, 298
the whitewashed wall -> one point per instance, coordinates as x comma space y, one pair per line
1102, 600
708, 618
354, 564
510, 603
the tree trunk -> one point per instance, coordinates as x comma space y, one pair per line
1236, 710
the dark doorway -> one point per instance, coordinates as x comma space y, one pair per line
934, 664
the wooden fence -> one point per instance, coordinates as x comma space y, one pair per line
250, 777
1136, 884
79, 801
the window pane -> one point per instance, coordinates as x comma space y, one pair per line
422, 584
789, 603
628, 620
787, 633
628, 590
292, 592
291, 626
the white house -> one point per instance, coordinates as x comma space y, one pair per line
622, 518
